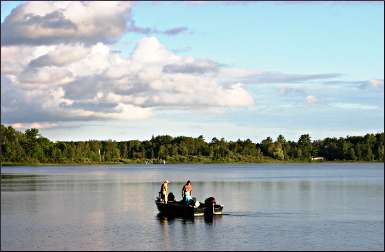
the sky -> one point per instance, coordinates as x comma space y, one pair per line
238, 70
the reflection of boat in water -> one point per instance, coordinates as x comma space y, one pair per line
180, 208
169, 219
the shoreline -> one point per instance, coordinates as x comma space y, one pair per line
10, 164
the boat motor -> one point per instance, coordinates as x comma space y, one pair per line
170, 197
210, 204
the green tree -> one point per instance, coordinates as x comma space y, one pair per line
304, 143
31, 145
380, 151
267, 146
352, 154
278, 152
163, 154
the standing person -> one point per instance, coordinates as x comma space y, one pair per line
164, 191
187, 192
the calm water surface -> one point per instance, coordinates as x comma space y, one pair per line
267, 207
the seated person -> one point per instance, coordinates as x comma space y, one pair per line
163, 191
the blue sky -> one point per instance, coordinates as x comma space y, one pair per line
303, 68
308, 37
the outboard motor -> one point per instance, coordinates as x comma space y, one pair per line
170, 197
209, 206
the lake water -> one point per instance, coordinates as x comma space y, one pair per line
332, 206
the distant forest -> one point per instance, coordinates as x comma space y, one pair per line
31, 147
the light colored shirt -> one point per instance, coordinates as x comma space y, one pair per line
188, 196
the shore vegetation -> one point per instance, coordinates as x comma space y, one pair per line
29, 148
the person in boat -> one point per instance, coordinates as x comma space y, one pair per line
164, 191
187, 192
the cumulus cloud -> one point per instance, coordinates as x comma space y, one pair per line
15, 58
44, 23
62, 55
65, 82
51, 105
19, 105
57, 66
45, 75
376, 82
310, 99
95, 83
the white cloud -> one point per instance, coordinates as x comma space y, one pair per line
376, 82
52, 22
58, 66
61, 55
310, 99
15, 58
46, 75
150, 51
80, 82
36, 125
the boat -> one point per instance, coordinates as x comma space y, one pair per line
180, 208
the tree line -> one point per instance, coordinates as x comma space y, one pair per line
31, 147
